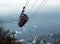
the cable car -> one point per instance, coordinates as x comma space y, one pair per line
23, 18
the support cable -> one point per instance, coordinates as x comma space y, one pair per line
42, 6
26, 4
39, 6
32, 6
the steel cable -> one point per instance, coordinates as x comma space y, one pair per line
41, 5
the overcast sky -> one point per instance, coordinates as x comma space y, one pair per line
47, 20
11, 6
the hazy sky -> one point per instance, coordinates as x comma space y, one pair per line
11, 6
47, 20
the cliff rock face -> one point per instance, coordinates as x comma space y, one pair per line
57, 42
5, 37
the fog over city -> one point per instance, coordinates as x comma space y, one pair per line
42, 21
